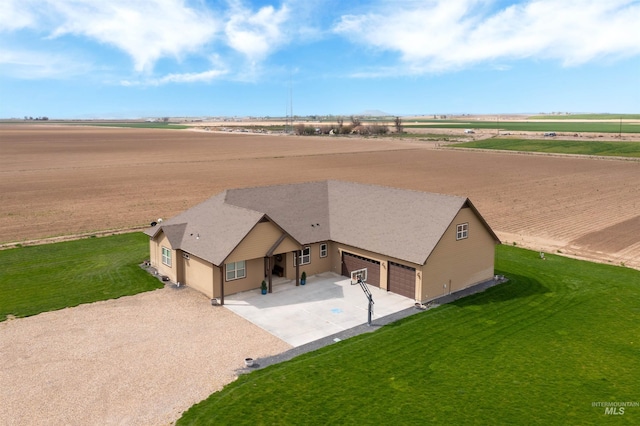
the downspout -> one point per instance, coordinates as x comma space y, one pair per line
297, 253
269, 273
221, 285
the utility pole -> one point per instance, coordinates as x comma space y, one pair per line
291, 98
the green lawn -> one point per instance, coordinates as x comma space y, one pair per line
136, 125
540, 349
54, 276
586, 117
131, 124
621, 149
568, 127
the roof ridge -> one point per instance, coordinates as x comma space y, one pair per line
235, 206
395, 188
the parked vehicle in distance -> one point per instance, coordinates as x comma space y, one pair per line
468, 131
550, 133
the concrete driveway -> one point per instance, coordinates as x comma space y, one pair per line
326, 305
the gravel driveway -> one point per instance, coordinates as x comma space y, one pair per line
137, 360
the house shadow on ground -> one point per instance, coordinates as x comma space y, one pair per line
517, 287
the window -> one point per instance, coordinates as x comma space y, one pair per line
236, 270
462, 231
305, 257
323, 250
166, 256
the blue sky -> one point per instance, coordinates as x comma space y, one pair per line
150, 58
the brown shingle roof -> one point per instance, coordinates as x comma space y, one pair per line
211, 230
398, 223
302, 210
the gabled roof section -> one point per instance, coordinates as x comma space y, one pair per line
483, 221
174, 233
302, 210
212, 229
395, 222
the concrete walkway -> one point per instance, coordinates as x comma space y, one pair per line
326, 305
377, 323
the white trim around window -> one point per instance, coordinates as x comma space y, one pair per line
305, 257
166, 256
462, 231
324, 250
236, 270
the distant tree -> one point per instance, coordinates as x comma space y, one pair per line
346, 130
325, 130
299, 129
355, 121
165, 119
398, 124
378, 129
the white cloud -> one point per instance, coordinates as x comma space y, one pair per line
31, 65
147, 30
443, 35
426, 35
151, 30
255, 34
14, 15
199, 77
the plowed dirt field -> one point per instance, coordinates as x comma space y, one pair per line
61, 180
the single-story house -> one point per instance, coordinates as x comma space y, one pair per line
417, 244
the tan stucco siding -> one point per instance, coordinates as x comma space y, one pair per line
253, 279
258, 242
153, 253
287, 245
289, 269
217, 276
457, 264
199, 274
169, 271
318, 264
